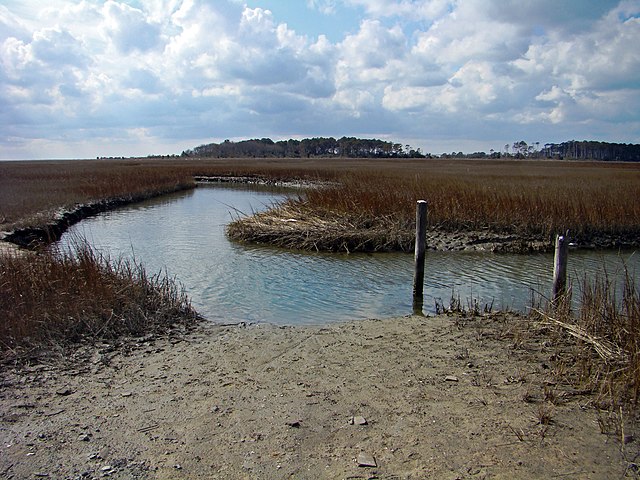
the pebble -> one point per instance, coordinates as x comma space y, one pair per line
84, 437
358, 420
451, 378
366, 460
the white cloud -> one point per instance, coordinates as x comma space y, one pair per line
326, 7
129, 29
421, 9
55, 47
432, 69
367, 62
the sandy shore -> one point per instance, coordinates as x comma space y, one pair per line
413, 398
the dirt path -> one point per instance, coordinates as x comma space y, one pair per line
416, 397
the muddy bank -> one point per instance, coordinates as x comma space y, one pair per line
404, 398
38, 236
293, 226
257, 180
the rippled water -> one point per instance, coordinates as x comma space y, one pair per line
183, 234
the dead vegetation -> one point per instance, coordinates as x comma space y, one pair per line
603, 330
533, 199
530, 203
53, 299
294, 224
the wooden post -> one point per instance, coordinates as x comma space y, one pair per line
560, 267
421, 244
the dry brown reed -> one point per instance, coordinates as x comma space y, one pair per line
605, 333
595, 203
294, 224
535, 205
57, 298
529, 198
32, 193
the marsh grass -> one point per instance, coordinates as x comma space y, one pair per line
295, 224
55, 298
34, 193
530, 201
531, 205
604, 333
615, 322
535, 199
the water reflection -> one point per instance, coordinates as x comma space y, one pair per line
183, 234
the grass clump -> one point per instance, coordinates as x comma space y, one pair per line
54, 298
604, 331
294, 224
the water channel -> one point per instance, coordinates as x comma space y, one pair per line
183, 235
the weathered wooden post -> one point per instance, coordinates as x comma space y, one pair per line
421, 244
560, 267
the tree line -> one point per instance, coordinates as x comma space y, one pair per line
571, 150
352, 147
309, 147
590, 150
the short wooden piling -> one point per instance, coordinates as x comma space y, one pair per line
420, 247
560, 267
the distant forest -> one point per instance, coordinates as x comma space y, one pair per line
309, 147
371, 148
585, 150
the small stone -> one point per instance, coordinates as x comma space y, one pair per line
366, 460
358, 420
294, 424
63, 392
628, 439
126, 394
450, 378
106, 468
84, 437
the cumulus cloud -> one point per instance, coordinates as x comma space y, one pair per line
324, 6
129, 29
438, 70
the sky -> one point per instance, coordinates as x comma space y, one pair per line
83, 79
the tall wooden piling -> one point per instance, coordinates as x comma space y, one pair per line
560, 267
421, 245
